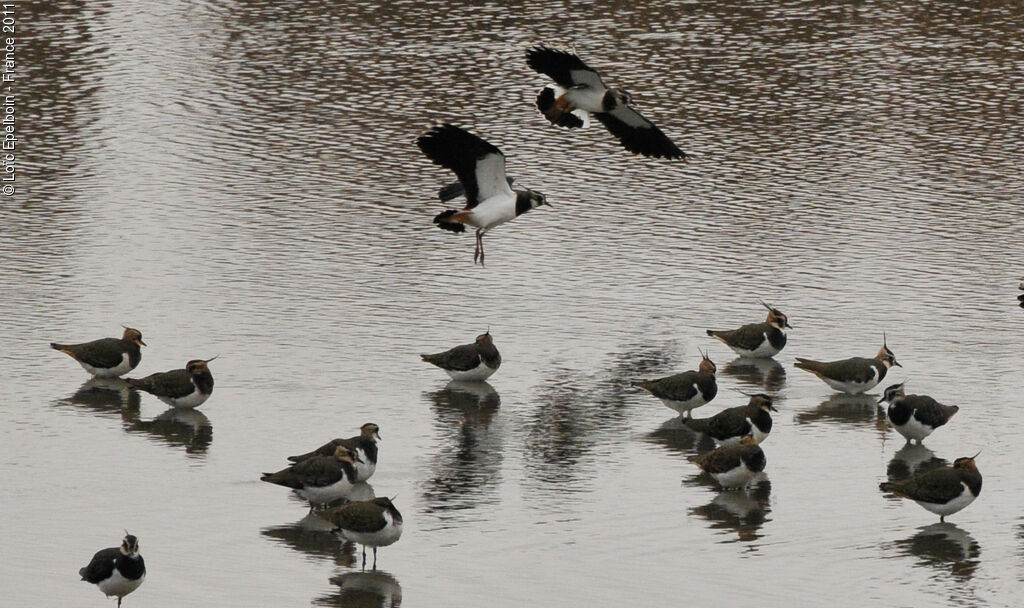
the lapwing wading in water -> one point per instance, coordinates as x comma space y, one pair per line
734, 465
915, 416
107, 357
372, 523
469, 362
364, 445
730, 425
181, 388
580, 91
319, 479
118, 570
854, 375
757, 340
480, 167
685, 391
943, 491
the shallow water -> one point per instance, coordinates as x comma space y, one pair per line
239, 178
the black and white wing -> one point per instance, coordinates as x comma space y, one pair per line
455, 189
564, 68
479, 165
637, 134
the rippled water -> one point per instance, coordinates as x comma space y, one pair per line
239, 178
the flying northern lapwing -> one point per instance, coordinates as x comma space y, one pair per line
118, 570
685, 391
915, 416
371, 523
730, 425
854, 375
107, 357
480, 167
757, 340
319, 479
580, 91
942, 491
469, 362
184, 388
732, 466
364, 445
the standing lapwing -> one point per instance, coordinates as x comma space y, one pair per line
915, 416
757, 340
364, 445
942, 491
374, 523
319, 479
118, 570
469, 362
734, 465
686, 391
185, 388
107, 357
854, 375
580, 91
730, 425
480, 167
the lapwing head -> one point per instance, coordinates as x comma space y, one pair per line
485, 339
886, 356
370, 430
537, 199
132, 335
748, 440
892, 392
130, 545
706, 364
198, 366
776, 318
343, 454
622, 96
762, 401
966, 463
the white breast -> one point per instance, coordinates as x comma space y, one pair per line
478, 373
854, 388
390, 533
193, 399
765, 349
913, 429
735, 478
952, 506
494, 211
119, 585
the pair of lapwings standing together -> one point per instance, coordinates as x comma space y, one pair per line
578, 92
185, 388
740, 430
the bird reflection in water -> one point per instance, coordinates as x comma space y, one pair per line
741, 511
763, 373
110, 397
945, 547
910, 460
466, 470
367, 589
840, 408
312, 536
678, 438
187, 428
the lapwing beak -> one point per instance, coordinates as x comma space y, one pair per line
141, 343
772, 408
896, 363
788, 325
879, 402
376, 435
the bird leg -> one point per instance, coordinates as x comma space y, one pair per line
364, 557
478, 254
375, 558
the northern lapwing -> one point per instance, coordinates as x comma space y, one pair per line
580, 91
757, 340
469, 362
107, 357
685, 391
480, 167
184, 388
1020, 298
118, 570
915, 416
854, 375
730, 425
732, 466
942, 491
319, 479
372, 523
364, 445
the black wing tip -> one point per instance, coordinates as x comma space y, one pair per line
711, 332
56, 346
441, 219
